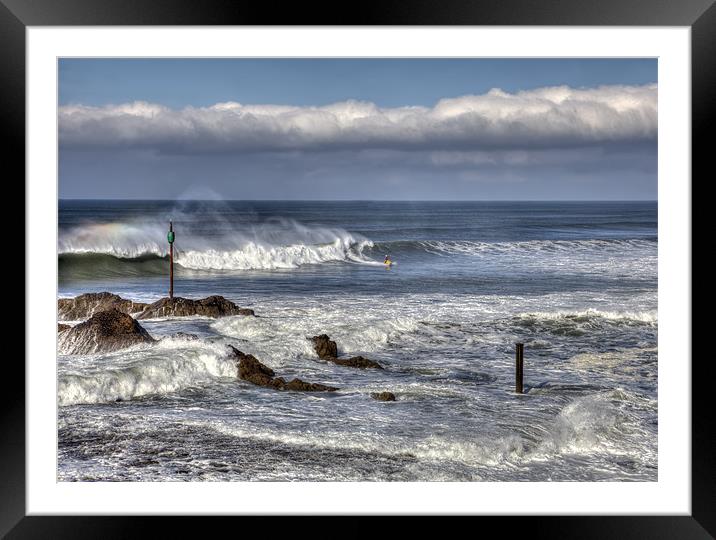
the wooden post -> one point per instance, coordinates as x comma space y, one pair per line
519, 367
170, 237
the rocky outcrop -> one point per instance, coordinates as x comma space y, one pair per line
326, 349
85, 305
383, 396
253, 371
212, 306
357, 362
105, 331
298, 385
62, 327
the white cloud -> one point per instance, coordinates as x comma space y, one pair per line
555, 117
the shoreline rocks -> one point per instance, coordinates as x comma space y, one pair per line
251, 370
105, 331
326, 349
383, 396
212, 306
85, 305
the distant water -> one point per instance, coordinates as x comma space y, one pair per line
576, 282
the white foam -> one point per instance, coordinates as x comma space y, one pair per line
586, 425
272, 245
536, 246
254, 256
650, 317
159, 373
285, 337
609, 359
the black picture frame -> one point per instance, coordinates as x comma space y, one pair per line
16, 15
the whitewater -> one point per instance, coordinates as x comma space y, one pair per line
575, 282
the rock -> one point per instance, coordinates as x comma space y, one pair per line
324, 347
105, 331
383, 396
250, 369
86, 305
356, 361
299, 385
212, 306
185, 335
62, 327
253, 371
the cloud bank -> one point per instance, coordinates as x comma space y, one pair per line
545, 118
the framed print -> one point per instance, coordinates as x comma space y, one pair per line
434, 262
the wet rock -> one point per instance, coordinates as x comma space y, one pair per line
211, 306
62, 327
103, 332
303, 386
185, 335
86, 305
383, 396
357, 362
250, 369
326, 349
253, 371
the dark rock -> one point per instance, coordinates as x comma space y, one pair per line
250, 369
299, 385
253, 371
324, 347
383, 396
62, 327
105, 331
212, 306
86, 305
185, 335
356, 361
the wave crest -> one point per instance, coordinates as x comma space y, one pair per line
275, 244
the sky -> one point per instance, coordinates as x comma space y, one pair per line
358, 129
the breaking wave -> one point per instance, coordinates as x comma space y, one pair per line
275, 244
156, 375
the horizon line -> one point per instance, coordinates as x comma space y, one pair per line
350, 200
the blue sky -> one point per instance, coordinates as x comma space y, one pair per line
358, 128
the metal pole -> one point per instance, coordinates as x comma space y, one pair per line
519, 367
171, 261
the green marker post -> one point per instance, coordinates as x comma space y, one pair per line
170, 238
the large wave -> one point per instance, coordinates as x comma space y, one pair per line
141, 248
274, 244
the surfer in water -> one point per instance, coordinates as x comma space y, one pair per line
387, 261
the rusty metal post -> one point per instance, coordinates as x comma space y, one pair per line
519, 367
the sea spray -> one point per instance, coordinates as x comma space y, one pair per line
275, 244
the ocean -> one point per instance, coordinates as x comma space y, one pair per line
576, 282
